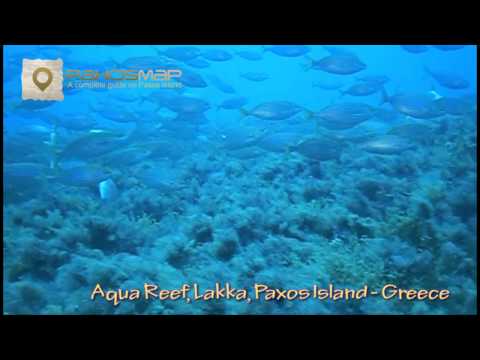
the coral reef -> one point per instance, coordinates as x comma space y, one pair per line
285, 221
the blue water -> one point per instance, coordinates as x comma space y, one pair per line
301, 186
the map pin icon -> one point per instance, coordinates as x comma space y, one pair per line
42, 85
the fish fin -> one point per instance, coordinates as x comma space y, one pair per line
265, 48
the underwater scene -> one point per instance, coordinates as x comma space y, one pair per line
239, 179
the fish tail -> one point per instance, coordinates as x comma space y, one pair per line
158, 108
115, 62
288, 152
54, 167
14, 107
136, 119
317, 127
310, 114
309, 63
132, 135
51, 175
429, 74
143, 98
327, 49
244, 112
434, 93
159, 52
92, 107
52, 143
306, 67
427, 70
385, 98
